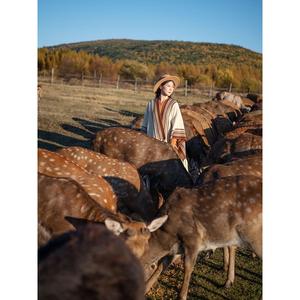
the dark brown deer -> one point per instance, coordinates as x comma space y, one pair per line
54, 164
150, 156
226, 148
227, 212
132, 196
91, 263
61, 197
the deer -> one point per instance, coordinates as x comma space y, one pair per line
249, 165
152, 158
53, 164
132, 196
90, 263
222, 213
59, 198
225, 149
231, 99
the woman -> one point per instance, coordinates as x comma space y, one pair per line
162, 118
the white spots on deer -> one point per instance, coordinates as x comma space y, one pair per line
248, 210
252, 200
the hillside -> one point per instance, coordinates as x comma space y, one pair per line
174, 52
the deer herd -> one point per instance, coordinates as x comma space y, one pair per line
112, 218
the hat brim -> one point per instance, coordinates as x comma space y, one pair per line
175, 79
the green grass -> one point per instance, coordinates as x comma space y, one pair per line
208, 279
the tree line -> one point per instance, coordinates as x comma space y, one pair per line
67, 62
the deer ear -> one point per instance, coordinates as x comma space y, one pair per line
156, 223
76, 222
161, 200
114, 226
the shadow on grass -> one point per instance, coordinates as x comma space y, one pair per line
124, 112
48, 146
47, 138
92, 126
73, 129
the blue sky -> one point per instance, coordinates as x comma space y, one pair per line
237, 22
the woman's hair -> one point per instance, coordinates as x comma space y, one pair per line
158, 91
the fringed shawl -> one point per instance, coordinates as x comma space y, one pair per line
164, 122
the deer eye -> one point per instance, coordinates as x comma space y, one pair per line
153, 266
145, 231
130, 232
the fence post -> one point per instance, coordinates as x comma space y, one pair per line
118, 81
185, 88
211, 90
230, 87
100, 79
52, 75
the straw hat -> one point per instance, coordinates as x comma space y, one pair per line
165, 78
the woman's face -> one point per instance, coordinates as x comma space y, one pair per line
167, 88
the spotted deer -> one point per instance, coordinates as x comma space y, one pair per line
226, 212
250, 165
132, 196
91, 263
54, 164
150, 156
59, 198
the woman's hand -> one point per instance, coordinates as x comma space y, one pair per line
174, 143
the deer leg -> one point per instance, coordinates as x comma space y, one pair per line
225, 258
163, 265
231, 273
190, 256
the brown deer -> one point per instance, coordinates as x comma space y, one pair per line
250, 165
132, 196
226, 148
91, 263
150, 156
226, 212
61, 197
54, 164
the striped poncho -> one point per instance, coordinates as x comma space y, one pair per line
164, 122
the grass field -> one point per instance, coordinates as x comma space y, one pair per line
71, 115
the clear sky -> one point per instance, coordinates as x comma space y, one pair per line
236, 22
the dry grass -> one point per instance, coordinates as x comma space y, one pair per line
71, 115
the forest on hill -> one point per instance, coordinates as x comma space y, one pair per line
202, 64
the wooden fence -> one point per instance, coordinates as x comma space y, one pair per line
135, 85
